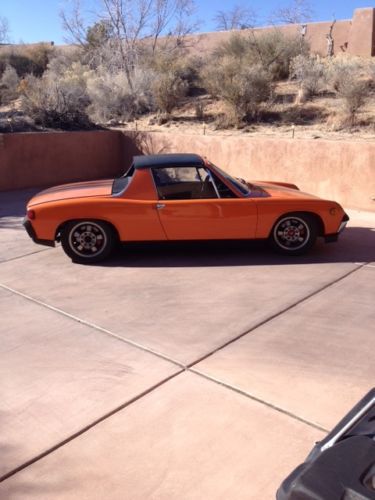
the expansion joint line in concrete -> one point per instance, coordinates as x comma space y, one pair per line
277, 314
258, 400
87, 427
25, 255
92, 325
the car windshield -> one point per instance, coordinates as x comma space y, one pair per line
239, 184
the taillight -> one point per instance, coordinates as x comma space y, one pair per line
30, 214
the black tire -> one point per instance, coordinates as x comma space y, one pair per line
294, 233
88, 241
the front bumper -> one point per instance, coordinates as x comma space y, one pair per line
331, 238
31, 232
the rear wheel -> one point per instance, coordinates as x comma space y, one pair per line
294, 234
88, 241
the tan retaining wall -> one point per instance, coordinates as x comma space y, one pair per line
340, 170
46, 159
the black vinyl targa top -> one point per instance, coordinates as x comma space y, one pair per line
168, 160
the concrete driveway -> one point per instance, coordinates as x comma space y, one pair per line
184, 372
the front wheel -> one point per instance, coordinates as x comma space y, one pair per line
88, 241
294, 234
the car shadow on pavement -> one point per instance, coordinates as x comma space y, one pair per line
13, 203
355, 245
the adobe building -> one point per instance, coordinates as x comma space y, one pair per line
354, 36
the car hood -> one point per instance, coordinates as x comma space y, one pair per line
74, 190
283, 192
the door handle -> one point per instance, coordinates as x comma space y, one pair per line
159, 206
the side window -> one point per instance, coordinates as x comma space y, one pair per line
183, 183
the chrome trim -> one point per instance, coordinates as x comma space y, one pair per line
213, 182
350, 424
342, 226
119, 195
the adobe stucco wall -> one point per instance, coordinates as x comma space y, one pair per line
354, 36
45, 159
340, 170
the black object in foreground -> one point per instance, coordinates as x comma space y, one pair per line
342, 466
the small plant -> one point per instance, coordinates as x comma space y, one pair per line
199, 109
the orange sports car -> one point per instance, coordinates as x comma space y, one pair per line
178, 197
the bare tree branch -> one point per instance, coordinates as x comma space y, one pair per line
133, 28
296, 12
239, 17
4, 30
74, 24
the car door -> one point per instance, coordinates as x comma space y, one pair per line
190, 206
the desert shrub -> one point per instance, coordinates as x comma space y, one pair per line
276, 51
349, 78
112, 98
272, 50
63, 59
9, 85
170, 81
242, 87
98, 34
168, 89
58, 101
26, 59
338, 70
354, 93
236, 47
310, 73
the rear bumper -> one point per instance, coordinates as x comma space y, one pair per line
30, 231
331, 238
